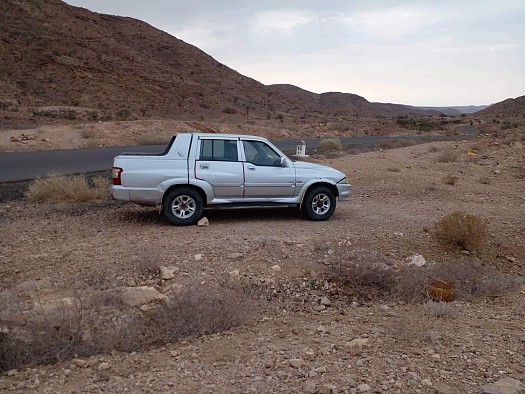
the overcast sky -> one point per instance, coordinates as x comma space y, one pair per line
435, 52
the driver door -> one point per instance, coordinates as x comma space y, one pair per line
264, 176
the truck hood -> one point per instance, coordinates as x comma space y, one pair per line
317, 170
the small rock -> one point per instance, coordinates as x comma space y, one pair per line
497, 171
168, 272
321, 369
136, 296
358, 342
504, 386
310, 387
78, 362
326, 301
363, 388
398, 234
426, 382
328, 389
198, 256
67, 372
276, 268
296, 362
204, 222
234, 273
417, 260
309, 355
103, 367
442, 388
236, 256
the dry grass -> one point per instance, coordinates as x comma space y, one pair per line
368, 276
97, 323
484, 180
331, 144
87, 133
463, 230
393, 169
153, 139
67, 188
450, 179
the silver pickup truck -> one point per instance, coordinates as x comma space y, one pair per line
225, 170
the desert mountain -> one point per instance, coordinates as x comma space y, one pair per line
456, 110
506, 108
60, 61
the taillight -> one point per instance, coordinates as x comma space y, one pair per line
116, 175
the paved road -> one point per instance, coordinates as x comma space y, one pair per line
21, 166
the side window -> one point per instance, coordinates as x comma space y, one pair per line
261, 154
218, 150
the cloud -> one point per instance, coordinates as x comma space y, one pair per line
280, 21
390, 23
478, 48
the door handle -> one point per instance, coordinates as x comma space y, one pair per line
205, 166
251, 168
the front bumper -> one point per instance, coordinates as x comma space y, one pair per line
344, 190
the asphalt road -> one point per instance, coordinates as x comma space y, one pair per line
21, 166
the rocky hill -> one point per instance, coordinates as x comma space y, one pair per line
63, 62
512, 107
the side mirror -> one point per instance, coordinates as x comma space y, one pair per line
283, 162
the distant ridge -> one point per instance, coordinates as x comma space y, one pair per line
102, 66
456, 110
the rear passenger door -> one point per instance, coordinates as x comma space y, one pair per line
218, 164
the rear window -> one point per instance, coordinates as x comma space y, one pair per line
218, 150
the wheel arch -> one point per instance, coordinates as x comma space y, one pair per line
186, 186
330, 186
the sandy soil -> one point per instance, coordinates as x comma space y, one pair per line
404, 348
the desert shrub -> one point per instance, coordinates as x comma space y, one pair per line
153, 139
87, 133
197, 312
229, 110
123, 114
463, 230
365, 275
92, 115
67, 188
90, 324
331, 144
450, 179
484, 180
447, 157
473, 279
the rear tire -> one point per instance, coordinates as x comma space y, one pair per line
183, 206
319, 204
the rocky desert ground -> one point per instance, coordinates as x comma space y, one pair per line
297, 328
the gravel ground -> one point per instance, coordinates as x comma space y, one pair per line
305, 335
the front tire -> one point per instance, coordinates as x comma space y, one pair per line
183, 206
319, 204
